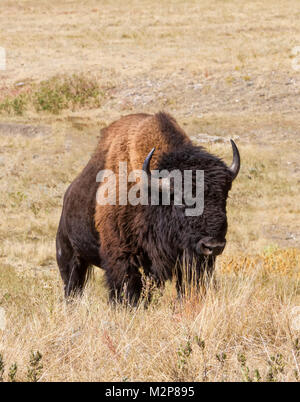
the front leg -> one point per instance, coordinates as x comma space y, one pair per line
152, 284
193, 275
124, 282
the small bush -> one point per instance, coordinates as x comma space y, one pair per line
55, 95
35, 366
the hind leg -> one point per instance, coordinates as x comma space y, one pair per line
74, 283
73, 269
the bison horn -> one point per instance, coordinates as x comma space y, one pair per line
236, 162
146, 168
146, 164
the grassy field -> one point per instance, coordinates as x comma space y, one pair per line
222, 68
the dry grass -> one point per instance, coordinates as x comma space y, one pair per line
246, 324
222, 68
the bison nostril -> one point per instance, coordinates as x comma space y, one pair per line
208, 246
213, 247
206, 249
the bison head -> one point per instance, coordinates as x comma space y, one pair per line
203, 235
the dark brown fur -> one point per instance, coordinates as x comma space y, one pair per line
121, 239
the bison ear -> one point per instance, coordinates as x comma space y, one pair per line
236, 161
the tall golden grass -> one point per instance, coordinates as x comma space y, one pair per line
241, 330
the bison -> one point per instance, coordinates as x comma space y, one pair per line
131, 242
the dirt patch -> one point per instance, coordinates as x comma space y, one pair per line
12, 129
283, 236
